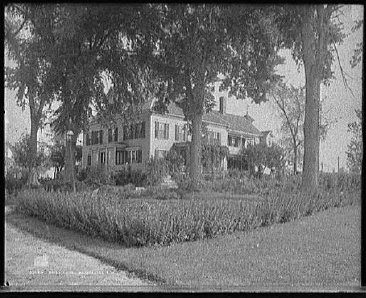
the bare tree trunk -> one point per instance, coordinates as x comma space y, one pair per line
195, 162
295, 159
311, 122
33, 176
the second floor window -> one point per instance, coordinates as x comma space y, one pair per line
233, 141
161, 130
134, 131
180, 133
87, 139
89, 160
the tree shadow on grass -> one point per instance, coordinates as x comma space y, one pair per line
92, 246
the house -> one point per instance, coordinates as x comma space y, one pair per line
153, 134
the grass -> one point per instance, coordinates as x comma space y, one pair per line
316, 252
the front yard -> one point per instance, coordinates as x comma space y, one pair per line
318, 252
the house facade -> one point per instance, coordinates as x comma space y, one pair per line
152, 134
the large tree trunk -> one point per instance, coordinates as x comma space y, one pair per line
70, 161
196, 148
295, 159
33, 175
311, 122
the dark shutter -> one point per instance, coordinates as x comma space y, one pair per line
143, 130
166, 131
139, 156
109, 135
156, 129
176, 132
116, 134
101, 137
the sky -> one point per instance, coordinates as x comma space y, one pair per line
339, 100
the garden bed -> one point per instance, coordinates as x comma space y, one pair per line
146, 222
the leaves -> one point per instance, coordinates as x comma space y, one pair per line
355, 147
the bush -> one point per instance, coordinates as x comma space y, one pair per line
136, 177
156, 170
96, 177
13, 184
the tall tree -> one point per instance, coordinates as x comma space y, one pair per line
312, 33
290, 101
94, 44
26, 30
355, 147
196, 43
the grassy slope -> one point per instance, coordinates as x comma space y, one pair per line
320, 251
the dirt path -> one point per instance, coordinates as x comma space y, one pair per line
32, 263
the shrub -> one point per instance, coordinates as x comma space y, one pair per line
96, 177
124, 176
156, 170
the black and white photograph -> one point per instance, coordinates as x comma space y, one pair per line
182, 147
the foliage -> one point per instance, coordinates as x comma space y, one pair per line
259, 155
96, 177
145, 222
194, 44
15, 180
156, 170
21, 153
127, 176
355, 147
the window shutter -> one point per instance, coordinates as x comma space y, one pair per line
166, 130
156, 129
101, 137
109, 135
143, 130
116, 134
176, 132
219, 138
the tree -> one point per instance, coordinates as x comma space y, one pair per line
196, 43
290, 102
312, 33
355, 147
92, 43
259, 155
22, 155
26, 29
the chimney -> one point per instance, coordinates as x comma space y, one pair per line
222, 105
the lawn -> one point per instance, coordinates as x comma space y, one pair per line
321, 251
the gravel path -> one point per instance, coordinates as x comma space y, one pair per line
32, 263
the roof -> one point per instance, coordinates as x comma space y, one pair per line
233, 122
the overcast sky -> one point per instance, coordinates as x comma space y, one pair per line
340, 103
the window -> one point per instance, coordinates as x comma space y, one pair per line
87, 139
213, 137
89, 160
94, 139
109, 135
128, 156
161, 130
180, 133
233, 141
134, 131
160, 153
102, 157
